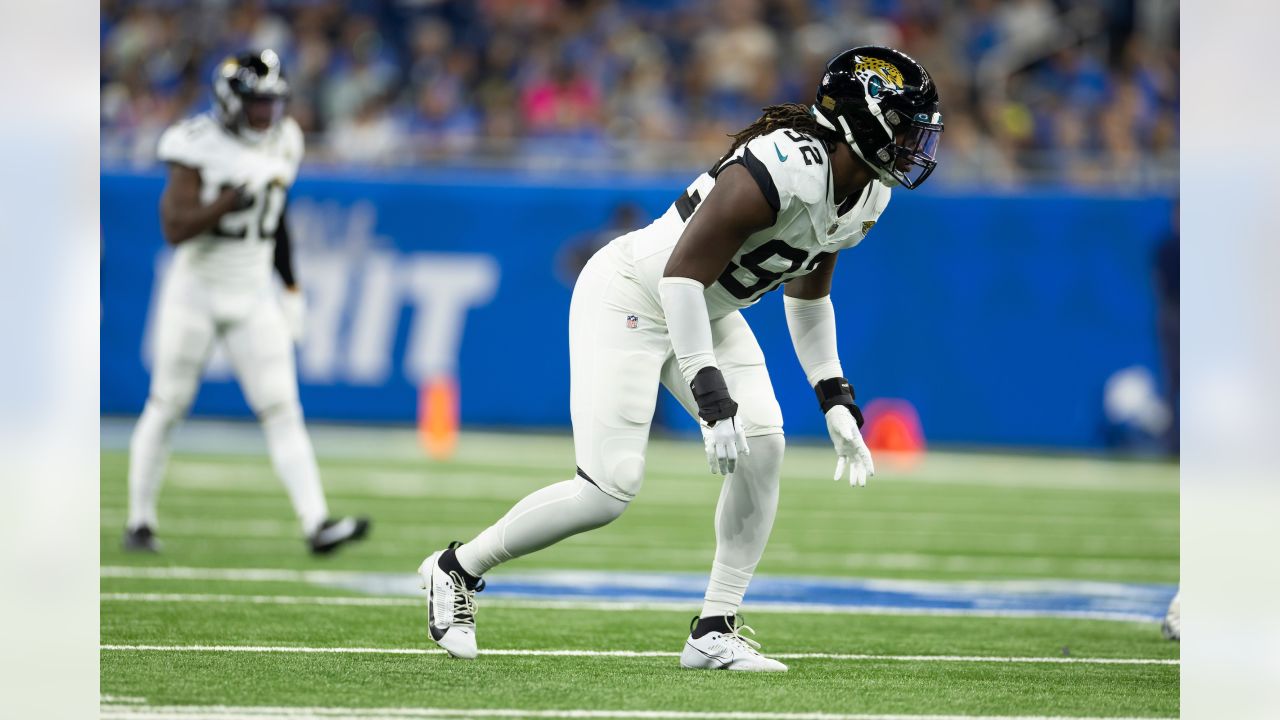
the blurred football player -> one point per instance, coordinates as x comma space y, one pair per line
660, 305
223, 209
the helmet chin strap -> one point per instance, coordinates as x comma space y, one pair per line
883, 175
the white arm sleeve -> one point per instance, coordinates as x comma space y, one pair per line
813, 333
688, 324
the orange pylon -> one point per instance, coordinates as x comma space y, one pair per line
893, 429
438, 416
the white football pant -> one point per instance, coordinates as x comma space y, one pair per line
618, 356
191, 317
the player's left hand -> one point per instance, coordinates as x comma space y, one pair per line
294, 306
851, 452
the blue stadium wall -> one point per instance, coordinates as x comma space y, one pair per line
1000, 317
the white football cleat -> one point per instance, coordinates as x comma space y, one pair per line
727, 651
451, 607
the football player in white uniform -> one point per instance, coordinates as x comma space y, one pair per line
223, 209
660, 305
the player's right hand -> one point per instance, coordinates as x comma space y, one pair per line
234, 199
724, 442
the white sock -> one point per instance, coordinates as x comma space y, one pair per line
295, 464
543, 518
744, 518
148, 455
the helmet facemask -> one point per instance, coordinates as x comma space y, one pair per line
915, 149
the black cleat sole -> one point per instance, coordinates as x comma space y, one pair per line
360, 531
140, 540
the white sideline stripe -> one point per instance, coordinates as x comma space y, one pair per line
259, 713
625, 606
628, 654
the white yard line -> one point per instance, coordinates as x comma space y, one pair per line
629, 654
123, 700
234, 574
263, 599
185, 712
621, 606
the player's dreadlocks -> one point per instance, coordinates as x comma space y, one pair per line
788, 115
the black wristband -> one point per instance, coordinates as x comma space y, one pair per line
837, 391
712, 395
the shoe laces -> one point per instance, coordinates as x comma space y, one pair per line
735, 636
464, 600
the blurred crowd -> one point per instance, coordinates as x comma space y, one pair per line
1034, 91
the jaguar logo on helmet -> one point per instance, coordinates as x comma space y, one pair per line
877, 75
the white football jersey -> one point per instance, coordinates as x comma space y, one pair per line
794, 172
237, 252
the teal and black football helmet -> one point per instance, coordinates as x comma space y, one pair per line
885, 106
249, 92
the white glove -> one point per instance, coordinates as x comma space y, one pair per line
851, 451
724, 441
293, 304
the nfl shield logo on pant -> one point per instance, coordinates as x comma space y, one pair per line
633, 322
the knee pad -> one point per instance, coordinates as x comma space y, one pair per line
625, 477
620, 480
758, 421
758, 409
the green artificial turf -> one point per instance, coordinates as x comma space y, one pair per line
951, 517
